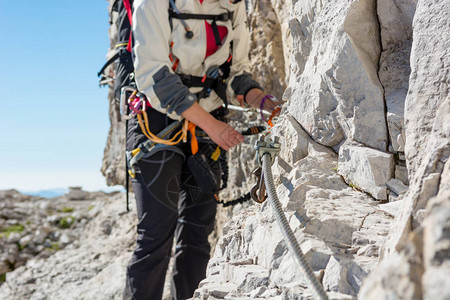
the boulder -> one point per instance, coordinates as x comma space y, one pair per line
334, 87
366, 169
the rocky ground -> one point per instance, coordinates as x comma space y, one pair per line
75, 246
71, 247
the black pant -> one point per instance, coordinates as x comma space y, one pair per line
168, 205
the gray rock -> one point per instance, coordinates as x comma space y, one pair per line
398, 285
401, 173
413, 252
26, 240
395, 105
84, 269
218, 291
344, 276
397, 187
76, 193
369, 250
257, 292
395, 19
4, 267
426, 114
14, 237
41, 234
437, 244
335, 85
392, 208
435, 282
366, 169
64, 239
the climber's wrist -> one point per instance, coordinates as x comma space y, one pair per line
254, 97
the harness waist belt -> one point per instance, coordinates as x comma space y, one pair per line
196, 81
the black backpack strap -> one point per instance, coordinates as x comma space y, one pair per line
216, 33
221, 17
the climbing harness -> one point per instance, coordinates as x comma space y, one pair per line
266, 150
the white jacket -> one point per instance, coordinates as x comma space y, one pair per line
155, 40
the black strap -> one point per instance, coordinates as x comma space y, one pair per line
253, 130
127, 182
216, 33
239, 200
222, 17
195, 81
110, 61
127, 175
217, 84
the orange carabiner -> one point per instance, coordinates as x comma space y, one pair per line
277, 109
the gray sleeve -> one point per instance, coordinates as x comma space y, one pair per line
243, 83
171, 92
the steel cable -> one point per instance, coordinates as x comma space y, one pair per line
289, 236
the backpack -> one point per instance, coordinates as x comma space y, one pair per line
123, 62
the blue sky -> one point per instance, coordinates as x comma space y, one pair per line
53, 116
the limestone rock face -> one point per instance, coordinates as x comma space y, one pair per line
352, 88
334, 90
267, 47
425, 211
427, 111
395, 18
341, 230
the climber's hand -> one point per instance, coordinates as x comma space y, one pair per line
224, 135
221, 133
255, 96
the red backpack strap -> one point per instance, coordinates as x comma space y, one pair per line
127, 5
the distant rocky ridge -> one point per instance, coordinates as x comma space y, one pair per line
48, 193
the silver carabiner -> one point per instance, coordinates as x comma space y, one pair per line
124, 101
